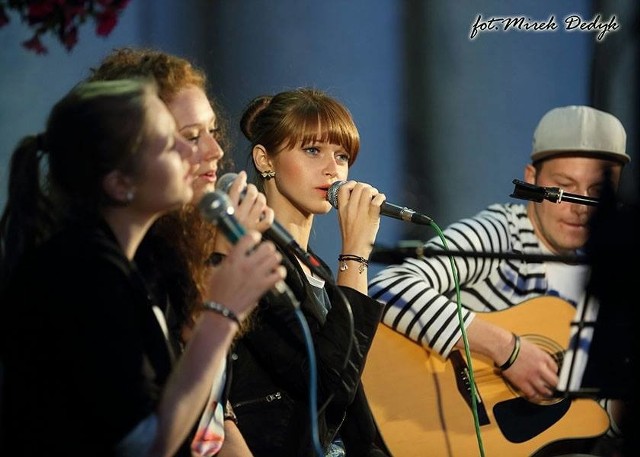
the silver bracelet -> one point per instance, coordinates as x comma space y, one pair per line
222, 310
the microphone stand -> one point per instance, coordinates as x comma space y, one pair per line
386, 255
526, 191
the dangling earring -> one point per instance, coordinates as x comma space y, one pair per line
129, 196
269, 174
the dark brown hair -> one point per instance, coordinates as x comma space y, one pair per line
95, 129
299, 116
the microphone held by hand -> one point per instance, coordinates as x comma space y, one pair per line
386, 209
217, 209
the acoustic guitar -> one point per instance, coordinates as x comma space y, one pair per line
422, 403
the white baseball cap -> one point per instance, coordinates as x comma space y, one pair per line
579, 130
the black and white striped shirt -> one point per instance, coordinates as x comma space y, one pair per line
420, 295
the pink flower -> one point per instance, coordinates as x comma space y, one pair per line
62, 18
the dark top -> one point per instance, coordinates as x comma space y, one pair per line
270, 372
84, 356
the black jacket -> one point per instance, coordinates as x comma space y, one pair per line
270, 373
84, 356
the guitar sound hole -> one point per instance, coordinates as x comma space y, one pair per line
552, 348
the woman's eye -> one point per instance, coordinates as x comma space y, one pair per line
343, 157
191, 136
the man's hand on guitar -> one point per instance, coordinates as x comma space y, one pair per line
534, 373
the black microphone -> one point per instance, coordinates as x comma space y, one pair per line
386, 209
525, 191
278, 234
216, 207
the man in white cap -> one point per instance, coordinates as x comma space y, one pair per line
576, 149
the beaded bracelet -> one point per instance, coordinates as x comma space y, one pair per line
342, 258
514, 354
222, 310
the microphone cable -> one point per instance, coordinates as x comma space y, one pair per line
472, 383
467, 351
313, 385
408, 215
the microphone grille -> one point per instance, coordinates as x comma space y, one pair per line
213, 205
332, 193
224, 182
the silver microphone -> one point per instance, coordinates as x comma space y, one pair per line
216, 207
386, 209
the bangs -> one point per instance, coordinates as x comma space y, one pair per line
327, 123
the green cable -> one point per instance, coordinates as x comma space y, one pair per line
474, 404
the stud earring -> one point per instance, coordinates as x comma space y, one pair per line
129, 196
269, 174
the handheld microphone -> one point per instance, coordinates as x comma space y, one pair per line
277, 233
216, 207
386, 209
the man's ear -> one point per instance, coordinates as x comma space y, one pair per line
118, 187
261, 159
530, 174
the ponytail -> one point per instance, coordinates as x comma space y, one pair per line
27, 218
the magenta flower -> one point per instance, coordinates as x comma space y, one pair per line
62, 18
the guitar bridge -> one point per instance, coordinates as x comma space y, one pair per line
463, 381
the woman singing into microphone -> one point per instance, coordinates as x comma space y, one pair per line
302, 141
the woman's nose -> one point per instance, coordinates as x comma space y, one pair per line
331, 167
212, 149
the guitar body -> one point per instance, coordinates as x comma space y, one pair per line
422, 407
